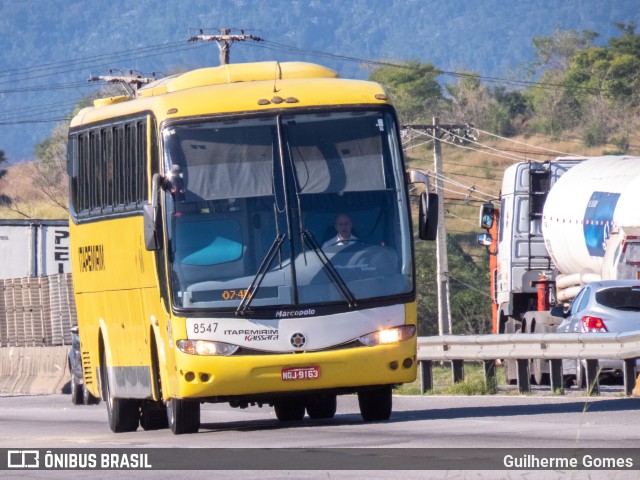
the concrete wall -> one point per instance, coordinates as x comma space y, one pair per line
34, 370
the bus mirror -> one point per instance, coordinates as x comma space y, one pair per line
149, 217
418, 176
487, 215
150, 232
485, 239
428, 216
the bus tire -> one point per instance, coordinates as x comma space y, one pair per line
291, 410
123, 413
375, 404
321, 406
183, 416
153, 416
76, 391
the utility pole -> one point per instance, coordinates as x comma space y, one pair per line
224, 41
131, 82
437, 131
444, 306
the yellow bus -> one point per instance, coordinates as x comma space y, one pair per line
202, 211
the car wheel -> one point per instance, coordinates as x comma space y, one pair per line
376, 404
76, 390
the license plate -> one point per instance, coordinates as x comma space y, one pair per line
300, 373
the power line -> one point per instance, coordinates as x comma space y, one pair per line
469, 286
58, 86
66, 64
107, 60
523, 143
521, 83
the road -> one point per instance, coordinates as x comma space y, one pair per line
494, 422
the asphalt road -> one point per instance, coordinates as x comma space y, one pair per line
445, 422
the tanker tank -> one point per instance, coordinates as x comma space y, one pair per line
584, 208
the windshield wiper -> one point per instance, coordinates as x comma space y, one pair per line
331, 270
260, 274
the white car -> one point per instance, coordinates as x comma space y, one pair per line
604, 306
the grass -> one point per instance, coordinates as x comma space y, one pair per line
473, 383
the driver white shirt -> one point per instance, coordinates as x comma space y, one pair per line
338, 241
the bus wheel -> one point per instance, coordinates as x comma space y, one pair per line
76, 391
183, 416
321, 406
153, 416
290, 410
375, 404
123, 413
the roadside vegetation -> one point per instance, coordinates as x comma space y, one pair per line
473, 383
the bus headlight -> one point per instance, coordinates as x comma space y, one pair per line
204, 347
389, 335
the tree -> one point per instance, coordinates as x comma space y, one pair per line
595, 88
50, 177
555, 52
413, 88
556, 102
470, 298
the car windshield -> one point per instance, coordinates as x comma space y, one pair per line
266, 202
620, 298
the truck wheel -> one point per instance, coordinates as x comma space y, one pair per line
539, 376
321, 406
76, 391
376, 404
183, 416
581, 376
510, 372
290, 410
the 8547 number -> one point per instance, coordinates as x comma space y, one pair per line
205, 327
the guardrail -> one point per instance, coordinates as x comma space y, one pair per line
524, 347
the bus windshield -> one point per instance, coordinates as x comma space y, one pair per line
307, 209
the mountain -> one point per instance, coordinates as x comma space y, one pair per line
50, 47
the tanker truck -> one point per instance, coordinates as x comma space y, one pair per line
561, 224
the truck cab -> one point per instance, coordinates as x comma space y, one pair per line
521, 252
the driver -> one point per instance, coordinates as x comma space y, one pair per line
343, 228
